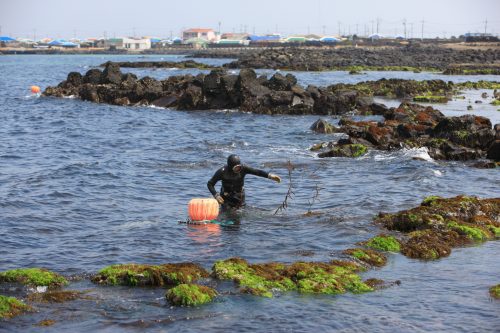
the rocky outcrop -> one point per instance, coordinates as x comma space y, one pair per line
399, 58
462, 138
216, 90
159, 64
432, 229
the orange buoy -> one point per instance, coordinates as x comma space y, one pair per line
35, 89
203, 209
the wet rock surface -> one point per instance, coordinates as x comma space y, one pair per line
461, 138
349, 58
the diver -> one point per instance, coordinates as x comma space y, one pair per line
232, 175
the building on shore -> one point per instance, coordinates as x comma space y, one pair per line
125, 43
199, 33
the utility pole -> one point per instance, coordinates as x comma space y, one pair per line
378, 24
340, 27
411, 30
422, 35
372, 26
404, 25
219, 27
485, 25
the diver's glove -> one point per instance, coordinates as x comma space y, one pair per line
219, 199
274, 177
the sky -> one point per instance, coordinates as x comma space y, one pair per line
110, 18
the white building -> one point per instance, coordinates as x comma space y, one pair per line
128, 43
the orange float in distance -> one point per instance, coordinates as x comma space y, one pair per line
203, 209
35, 89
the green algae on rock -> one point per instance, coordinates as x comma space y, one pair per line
11, 307
190, 295
370, 257
431, 99
495, 291
33, 277
348, 150
384, 243
439, 224
150, 275
335, 277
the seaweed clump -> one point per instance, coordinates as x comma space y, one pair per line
33, 277
190, 295
11, 307
370, 257
150, 275
495, 291
384, 243
439, 224
335, 277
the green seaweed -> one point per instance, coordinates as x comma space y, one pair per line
190, 295
495, 291
430, 200
430, 99
370, 257
495, 102
471, 232
384, 243
33, 277
149, 275
11, 307
495, 230
305, 277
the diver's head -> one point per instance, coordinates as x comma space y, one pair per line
234, 163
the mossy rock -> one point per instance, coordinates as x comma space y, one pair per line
370, 257
150, 275
495, 291
33, 277
430, 99
55, 296
384, 243
348, 150
439, 224
475, 233
190, 295
306, 277
431, 199
11, 307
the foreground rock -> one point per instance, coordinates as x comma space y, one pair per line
11, 307
413, 58
335, 277
438, 225
190, 295
150, 275
159, 64
33, 277
461, 138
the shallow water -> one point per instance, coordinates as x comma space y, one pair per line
85, 185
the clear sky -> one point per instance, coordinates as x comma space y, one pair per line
96, 18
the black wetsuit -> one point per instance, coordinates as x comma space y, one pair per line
232, 189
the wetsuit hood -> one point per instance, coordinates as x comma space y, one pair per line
232, 161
